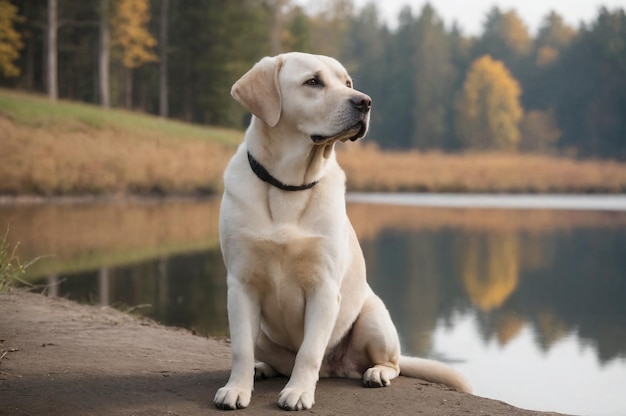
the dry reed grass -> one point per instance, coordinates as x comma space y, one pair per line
66, 148
73, 158
371, 169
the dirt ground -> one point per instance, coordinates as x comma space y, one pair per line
62, 358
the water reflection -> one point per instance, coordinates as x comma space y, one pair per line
85, 236
558, 283
186, 290
488, 290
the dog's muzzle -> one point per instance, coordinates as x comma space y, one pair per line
361, 105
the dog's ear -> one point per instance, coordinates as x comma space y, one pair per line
258, 91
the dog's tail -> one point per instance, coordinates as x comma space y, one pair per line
434, 371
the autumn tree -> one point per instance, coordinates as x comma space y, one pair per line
506, 38
10, 39
132, 38
488, 108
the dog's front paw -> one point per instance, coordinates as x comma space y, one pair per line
231, 398
296, 399
378, 376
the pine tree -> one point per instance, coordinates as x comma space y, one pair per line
554, 36
434, 80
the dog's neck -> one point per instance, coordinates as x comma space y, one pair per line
292, 161
265, 176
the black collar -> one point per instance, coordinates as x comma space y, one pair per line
265, 176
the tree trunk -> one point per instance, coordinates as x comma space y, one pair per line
276, 32
30, 64
104, 55
52, 84
128, 94
189, 77
163, 86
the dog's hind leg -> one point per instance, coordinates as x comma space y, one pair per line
375, 342
263, 370
272, 359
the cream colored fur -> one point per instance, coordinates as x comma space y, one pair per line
298, 300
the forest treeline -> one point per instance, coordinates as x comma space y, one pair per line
561, 90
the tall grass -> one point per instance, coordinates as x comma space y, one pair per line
371, 169
11, 270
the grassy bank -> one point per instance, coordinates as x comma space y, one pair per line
67, 148
70, 148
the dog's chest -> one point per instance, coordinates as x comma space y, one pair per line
282, 267
285, 257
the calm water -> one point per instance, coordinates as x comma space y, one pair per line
529, 303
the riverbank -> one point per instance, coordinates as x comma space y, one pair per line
64, 148
62, 358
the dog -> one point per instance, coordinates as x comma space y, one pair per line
298, 301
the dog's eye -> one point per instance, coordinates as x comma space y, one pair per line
314, 82
349, 84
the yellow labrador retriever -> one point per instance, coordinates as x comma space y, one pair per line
298, 301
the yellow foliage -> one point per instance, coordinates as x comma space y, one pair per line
546, 55
508, 327
515, 33
551, 328
10, 39
129, 31
488, 108
490, 287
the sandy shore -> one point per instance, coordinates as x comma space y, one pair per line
62, 358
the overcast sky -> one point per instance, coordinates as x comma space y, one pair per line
470, 14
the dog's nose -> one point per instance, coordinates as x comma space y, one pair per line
362, 102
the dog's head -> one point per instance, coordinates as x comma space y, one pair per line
311, 94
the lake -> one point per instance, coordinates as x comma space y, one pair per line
525, 295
